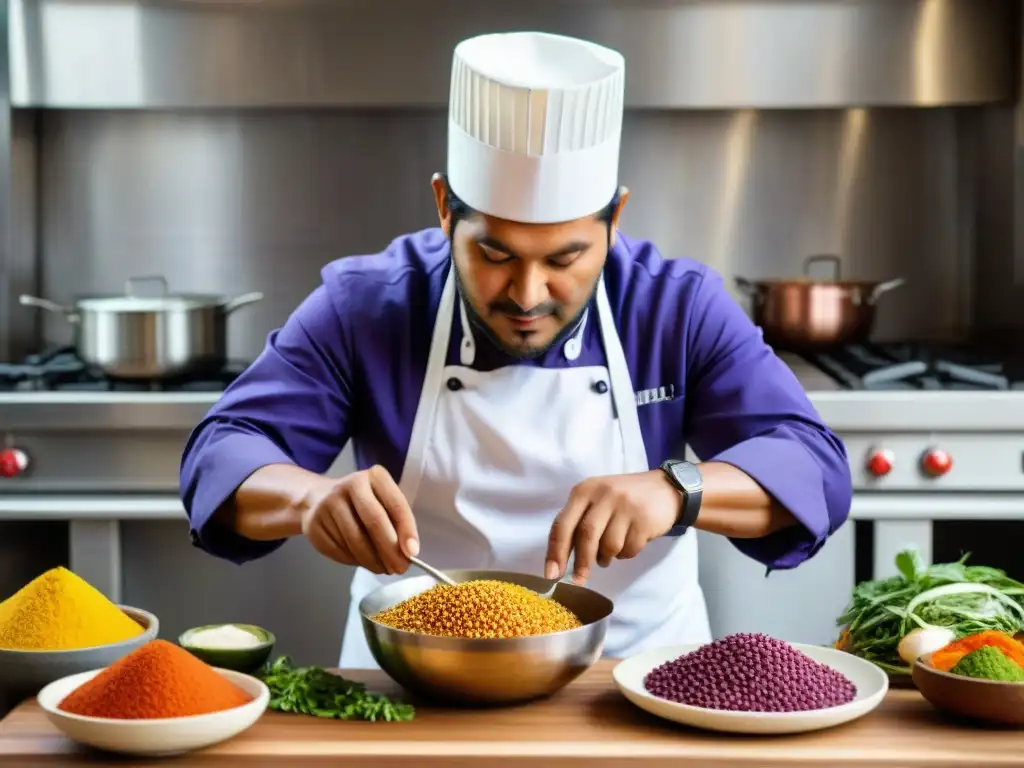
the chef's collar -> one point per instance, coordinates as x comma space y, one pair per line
572, 347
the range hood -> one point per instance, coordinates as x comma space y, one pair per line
692, 54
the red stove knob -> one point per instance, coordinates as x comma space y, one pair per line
936, 462
13, 462
880, 462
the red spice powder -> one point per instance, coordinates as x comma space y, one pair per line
157, 680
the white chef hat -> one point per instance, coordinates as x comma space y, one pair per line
534, 124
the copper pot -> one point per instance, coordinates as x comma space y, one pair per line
810, 313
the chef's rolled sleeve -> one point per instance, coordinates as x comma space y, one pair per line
747, 409
291, 406
799, 489
223, 461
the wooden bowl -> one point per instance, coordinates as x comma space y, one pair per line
984, 701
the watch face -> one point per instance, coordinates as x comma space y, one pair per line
686, 474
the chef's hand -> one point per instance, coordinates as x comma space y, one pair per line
363, 519
610, 517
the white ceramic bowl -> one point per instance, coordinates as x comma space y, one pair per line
872, 684
152, 738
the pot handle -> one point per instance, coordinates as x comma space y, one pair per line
50, 306
240, 301
885, 287
131, 282
753, 289
824, 258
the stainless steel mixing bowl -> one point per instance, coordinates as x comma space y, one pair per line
486, 671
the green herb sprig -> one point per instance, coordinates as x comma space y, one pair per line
964, 598
315, 691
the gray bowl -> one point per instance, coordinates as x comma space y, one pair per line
24, 673
486, 671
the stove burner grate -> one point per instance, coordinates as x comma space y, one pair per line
61, 370
914, 365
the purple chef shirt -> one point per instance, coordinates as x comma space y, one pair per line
350, 361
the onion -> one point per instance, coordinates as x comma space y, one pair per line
924, 640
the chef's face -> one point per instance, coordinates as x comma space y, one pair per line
526, 285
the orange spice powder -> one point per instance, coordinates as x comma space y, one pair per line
949, 655
157, 680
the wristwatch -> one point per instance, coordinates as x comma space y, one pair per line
685, 476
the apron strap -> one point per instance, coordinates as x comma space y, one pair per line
618, 372
622, 385
467, 348
412, 471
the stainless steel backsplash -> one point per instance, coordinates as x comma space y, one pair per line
232, 201
704, 54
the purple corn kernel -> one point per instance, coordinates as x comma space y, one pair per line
750, 673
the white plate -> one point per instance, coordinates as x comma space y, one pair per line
170, 736
872, 684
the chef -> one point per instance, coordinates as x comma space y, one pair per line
519, 383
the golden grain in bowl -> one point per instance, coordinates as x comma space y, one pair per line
480, 608
488, 670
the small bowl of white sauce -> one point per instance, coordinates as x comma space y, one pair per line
240, 647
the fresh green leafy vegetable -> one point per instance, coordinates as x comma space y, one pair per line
909, 564
315, 691
964, 598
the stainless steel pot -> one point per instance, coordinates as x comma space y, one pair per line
159, 337
807, 313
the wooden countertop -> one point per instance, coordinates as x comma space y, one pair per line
587, 723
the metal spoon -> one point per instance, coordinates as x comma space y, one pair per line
441, 577
567, 576
432, 571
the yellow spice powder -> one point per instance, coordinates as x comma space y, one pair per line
60, 611
479, 609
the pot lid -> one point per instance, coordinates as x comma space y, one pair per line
154, 298
181, 302
818, 281
835, 281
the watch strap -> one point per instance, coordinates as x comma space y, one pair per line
686, 477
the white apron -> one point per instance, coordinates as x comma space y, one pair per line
492, 460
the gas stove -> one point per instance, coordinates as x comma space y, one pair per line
896, 366
934, 433
61, 370
913, 417
66, 427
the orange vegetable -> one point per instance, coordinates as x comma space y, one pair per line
947, 657
844, 637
